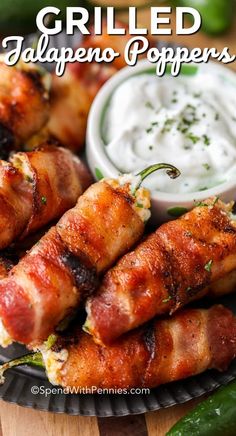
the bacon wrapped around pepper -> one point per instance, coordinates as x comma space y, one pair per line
37, 187
24, 104
163, 351
171, 267
63, 267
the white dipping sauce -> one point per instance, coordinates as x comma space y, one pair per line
187, 121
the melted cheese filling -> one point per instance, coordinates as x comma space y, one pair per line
142, 202
54, 362
5, 338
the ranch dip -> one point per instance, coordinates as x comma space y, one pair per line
188, 121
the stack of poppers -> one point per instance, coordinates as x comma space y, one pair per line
179, 262
137, 333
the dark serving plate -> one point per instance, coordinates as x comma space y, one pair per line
21, 382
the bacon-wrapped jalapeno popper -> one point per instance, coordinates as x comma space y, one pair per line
24, 103
5, 266
70, 105
171, 267
63, 267
37, 187
163, 351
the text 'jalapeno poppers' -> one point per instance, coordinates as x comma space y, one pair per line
37, 187
24, 103
162, 351
170, 268
64, 266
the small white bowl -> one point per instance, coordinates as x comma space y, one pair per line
162, 203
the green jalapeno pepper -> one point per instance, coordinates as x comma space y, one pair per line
215, 416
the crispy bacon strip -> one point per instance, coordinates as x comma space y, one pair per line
70, 105
163, 351
24, 104
170, 268
50, 281
37, 187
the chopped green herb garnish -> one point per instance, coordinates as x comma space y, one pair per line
217, 116
197, 95
149, 105
190, 106
167, 125
177, 211
215, 201
201, 204
203, 189
206, 166
188, 122
154, 123
44, 200
98, 174
149, 130
167, 299
174, 100
193, 137
29, 179
208, 265
169, 121
150, 147
50, 341
206, 140
139, 205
